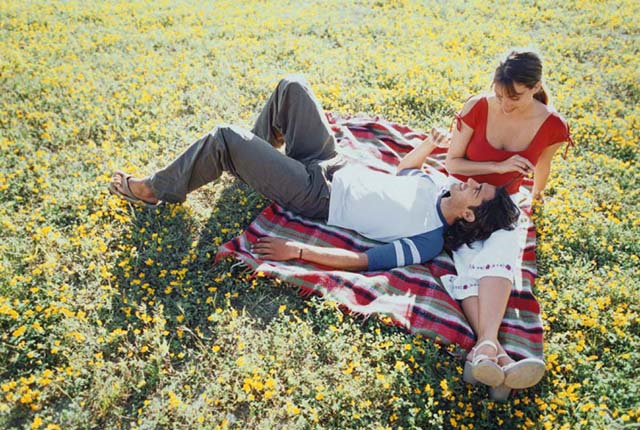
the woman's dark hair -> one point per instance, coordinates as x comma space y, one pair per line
496, 214
523, 68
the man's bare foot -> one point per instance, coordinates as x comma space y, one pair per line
139, 187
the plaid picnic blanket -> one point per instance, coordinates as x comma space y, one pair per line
411, 296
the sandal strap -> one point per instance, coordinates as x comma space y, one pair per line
509, 366
480, 357
499, 356
125, 186
486, 342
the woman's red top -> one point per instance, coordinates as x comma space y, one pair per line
553, 130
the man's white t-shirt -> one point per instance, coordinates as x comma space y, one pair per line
403, 209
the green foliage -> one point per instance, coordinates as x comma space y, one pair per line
114, 317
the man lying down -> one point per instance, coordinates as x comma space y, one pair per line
311, 179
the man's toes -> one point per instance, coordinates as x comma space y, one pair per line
117, 181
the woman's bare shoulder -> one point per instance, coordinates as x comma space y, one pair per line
550, 110
470, 103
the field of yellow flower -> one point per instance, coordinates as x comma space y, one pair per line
115, 318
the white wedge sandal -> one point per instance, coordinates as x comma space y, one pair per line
483, 368
524, 373
517, 375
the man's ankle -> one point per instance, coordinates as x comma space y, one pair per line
142, 188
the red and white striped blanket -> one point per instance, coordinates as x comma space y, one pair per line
411, 296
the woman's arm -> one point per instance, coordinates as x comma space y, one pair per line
456, 156
278, 249
416, 158
542, 170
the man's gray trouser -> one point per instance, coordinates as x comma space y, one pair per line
298, 180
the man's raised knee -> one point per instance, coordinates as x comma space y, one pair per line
294, 80
230, 135
225, 131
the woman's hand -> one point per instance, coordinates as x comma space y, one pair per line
537, 200
515, 163
277, 249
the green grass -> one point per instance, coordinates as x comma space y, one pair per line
114, 318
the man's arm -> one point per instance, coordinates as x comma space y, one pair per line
278, 249
417, 249
412, 250
416, 158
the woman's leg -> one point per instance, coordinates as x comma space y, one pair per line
294, 114
485, 313
486, 271
470, 310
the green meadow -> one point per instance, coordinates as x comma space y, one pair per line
115, 317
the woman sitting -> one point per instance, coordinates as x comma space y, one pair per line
500, 139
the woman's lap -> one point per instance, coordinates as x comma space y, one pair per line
498, 256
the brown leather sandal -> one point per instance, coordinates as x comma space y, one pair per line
126, 193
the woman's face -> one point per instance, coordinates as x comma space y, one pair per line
519, 101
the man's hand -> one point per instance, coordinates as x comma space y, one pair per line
277, 249
418, 155
440, 137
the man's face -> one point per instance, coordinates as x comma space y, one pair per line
471, 194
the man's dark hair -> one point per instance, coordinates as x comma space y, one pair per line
491, 215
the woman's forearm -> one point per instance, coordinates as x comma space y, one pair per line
540, 179
462, 166
543, 169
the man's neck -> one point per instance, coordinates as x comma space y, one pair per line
449, 212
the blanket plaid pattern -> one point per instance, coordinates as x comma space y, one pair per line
411, 296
